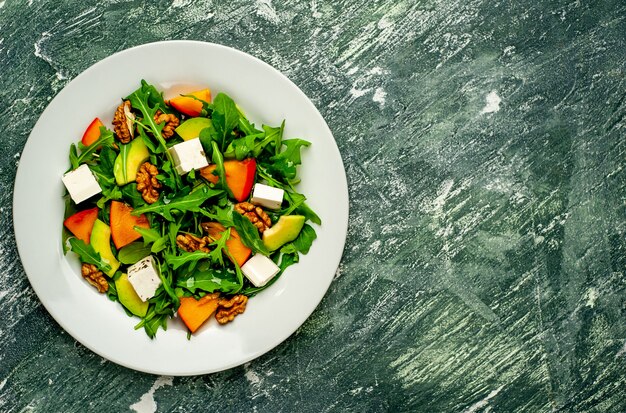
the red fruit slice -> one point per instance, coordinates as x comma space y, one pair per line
195, 312
239, 176
190, 106
92, 133
122, 223
207, 173
237, 250
81, 223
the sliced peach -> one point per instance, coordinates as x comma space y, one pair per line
123, 223
195, 312
207, 173
81, 223
239, 253
92, 133
190, 106
239, 176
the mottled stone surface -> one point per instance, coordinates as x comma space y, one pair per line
484, 143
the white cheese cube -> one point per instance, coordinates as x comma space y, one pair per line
144, 277
81, 184
267, 196
259, 270
188, 155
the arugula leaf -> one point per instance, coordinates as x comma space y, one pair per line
168, 176
152, 321
245, 126
88, 255
225, 117
219, 247
133, 252
210, 280
302, 243
152, 147
249, 234
107, 159
305, 210
73, 157
206, 136
295, 200
124, 150
276, 135
112, 292
223, 215
149, 234
190, 202
173, 231
297, 205
185, 257
159, 245
284, 164
218, 160
70, 209
108, 194
166, 282
240, 148
152, 236
292, 150
131, 195
252, 145
88, 152
155, 98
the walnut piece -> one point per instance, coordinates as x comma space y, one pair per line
255, 214
191, 243
147, 182
94, 277
171, 123
229, 308
123, 122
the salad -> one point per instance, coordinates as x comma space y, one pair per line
185, 208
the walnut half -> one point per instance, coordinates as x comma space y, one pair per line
94, 277
171, 123
123, 122
147, 182
229, 308
255, 214
191, 243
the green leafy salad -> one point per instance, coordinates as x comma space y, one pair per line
184, 208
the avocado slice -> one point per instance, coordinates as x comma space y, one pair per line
101, 243
191, 128
285, 230
129, 298
130, 158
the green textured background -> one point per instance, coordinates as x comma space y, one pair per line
485, 263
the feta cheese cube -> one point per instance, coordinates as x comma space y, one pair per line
259, 270
267, 196
144, 277
188, 155
81, 184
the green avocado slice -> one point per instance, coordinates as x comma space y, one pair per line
129, 160
190, 129
285, 230
101, 243
129, 298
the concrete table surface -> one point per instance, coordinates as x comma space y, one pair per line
485, 148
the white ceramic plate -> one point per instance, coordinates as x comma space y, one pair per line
267, 97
